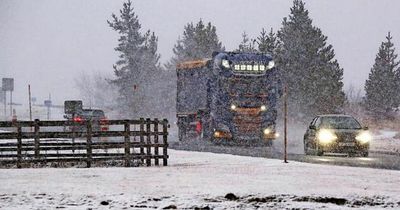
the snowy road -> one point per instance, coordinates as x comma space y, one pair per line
202, 180
375, 160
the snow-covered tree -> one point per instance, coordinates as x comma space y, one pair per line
382, 86
138, 62
198, 42
267, 42
247, 44
95, 91
313, 76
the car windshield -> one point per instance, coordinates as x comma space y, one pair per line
340, 123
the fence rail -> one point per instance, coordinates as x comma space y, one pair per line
37, 141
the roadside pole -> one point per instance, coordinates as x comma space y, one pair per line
285, 122
30, 105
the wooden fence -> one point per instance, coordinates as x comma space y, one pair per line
129, 141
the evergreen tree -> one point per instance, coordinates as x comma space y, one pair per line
138, 61
382, 86
247, 44
198, 42
313, 76
267, 42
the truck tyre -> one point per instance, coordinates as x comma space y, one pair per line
181, 133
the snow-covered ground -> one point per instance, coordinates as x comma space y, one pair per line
385, 141
195, 179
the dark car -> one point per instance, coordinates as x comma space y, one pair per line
96, 116
336, 134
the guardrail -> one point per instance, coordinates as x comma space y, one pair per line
24, 142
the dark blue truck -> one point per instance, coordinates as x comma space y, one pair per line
231, 97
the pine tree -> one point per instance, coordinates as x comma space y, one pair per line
267, 43
382, 86
198, 42
313, 76
138, 61
247, 44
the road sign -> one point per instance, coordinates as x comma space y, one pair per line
2, 95
7, 84
47, 103
72, 107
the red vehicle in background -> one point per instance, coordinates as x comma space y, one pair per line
78, 121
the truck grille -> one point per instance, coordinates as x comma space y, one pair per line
247, 122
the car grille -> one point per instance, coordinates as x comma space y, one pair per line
346, 137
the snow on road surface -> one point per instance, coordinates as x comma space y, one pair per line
386, 141
202, 180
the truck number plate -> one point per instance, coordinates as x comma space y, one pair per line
347, 144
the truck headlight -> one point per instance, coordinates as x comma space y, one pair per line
326, 136
263, 108
233, 107
267, 131
271, 64
364, 137
225, 63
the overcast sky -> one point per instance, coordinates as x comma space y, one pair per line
49, 43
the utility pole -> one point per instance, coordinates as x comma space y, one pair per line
5, 104
285, 122
30, 103
11, 110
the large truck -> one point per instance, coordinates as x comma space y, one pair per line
231, 97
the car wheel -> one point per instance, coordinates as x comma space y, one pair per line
365, 154
319, 152
306, 149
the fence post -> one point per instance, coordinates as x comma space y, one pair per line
148, 143
127, 126
37, 138
89, 143
19, 145
165, 143
142, 139
156, 141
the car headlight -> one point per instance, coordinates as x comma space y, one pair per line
233, 107
326, 136
364, 137
225, 63
271, 64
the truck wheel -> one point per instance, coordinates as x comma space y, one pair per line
181, 133
365, 154
269, 143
